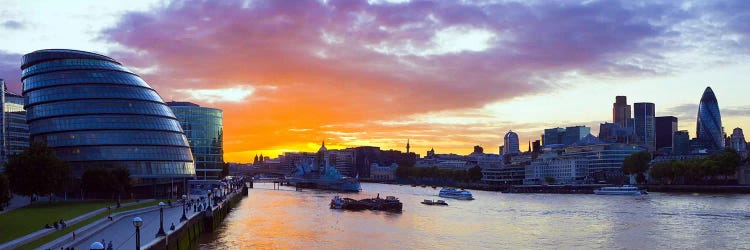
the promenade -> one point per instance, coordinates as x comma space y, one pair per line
122, 232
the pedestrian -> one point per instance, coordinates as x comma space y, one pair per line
104, 243
57, 226
171, 227
74, 235
109, 246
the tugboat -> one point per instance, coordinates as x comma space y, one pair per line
433, 203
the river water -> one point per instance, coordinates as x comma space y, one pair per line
291, 219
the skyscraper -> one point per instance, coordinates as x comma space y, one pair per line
14, 132
95, 113
553, 136
621, 112
709, 129
511, 143
665, 128
737, 142
575, 134
204, 130
644, 124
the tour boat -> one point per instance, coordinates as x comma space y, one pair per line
624, 190
455, 194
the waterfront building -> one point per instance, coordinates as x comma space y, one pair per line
621, 112
604, 160
737, 142
203, 128
709, 130
666, 126
645, 124
575, 134
383, 173
681, 143
14, 136
503, 175
553, 136
511, 144
95, 113
563, 170
343, 160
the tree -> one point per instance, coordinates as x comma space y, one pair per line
636, 163
97, 180
4, 191
403, 171
120, 182
475, 173
37, 171
224, 170
549, 180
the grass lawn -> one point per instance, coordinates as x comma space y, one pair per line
26, 220
69, 229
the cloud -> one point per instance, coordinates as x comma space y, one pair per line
13, 24
355, 62
10, 70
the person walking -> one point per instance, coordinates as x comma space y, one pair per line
74, 235
109, 246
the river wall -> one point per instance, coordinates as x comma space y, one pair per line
186, 236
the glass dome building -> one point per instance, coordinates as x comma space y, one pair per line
709, 130
94, 112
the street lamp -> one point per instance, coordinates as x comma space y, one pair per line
161, 220
184, 203
137, 222
209, 198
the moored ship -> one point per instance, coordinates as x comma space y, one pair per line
321, 175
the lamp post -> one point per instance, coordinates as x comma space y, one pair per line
209, 198
161, 220
184, 203
137, 222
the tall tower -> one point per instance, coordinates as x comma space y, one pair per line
709, 129
407, 146
645, 124
511, 143
621, 112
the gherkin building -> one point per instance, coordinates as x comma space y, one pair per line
709, 130
95, 113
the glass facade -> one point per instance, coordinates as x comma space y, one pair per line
645, 124
94, 112
709, 130
205, 133
15, 131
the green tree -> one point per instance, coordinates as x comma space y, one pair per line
475, 173
4, 191
120, 182
727, 162
37, 171
403, 172
636, 163
97, 180
549, 180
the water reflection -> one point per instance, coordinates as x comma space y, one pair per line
301, 219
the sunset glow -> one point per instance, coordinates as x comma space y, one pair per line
446, 75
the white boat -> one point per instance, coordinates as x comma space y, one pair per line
455, 194
624, 190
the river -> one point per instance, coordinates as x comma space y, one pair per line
291, 219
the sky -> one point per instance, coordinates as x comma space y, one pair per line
446, 75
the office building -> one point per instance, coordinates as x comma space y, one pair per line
510, 145
575, 134
737, 142
621, 112
666, 126
553, 136
14, 134
709, 130
95, 113
204, 130
562, 170
644, 125
681, 143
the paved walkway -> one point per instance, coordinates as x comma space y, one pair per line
122, 232
19, 201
